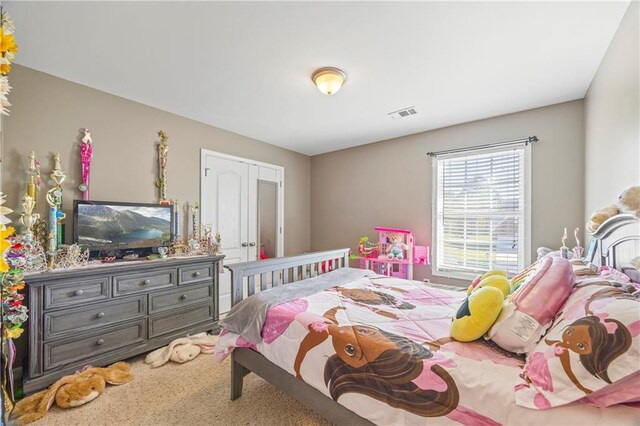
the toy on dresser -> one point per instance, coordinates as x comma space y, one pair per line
394, 254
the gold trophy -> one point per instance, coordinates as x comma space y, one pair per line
163, 150
28, 218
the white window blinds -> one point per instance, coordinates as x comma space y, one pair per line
480, 211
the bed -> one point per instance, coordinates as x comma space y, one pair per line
322, 347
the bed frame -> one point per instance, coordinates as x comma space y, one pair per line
614, 244
273, 272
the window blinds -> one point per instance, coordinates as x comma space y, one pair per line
480, 211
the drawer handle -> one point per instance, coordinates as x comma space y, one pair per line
145, 282
79, 292
183, 297
196, 274
100, 315
100, 342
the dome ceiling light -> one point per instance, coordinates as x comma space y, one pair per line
329, 79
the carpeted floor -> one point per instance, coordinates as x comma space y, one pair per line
195, 393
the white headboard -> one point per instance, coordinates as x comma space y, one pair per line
616, 242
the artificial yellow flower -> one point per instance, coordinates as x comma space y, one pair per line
5, 68
13, 333
7, 43
17, 287
4, 245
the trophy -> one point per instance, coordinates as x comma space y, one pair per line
54, 199
163, 150
86, 154
28, 218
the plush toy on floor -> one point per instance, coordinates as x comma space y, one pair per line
71, 391
182, 350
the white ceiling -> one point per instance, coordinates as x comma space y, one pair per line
246, 67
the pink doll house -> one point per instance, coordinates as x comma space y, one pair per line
396, 254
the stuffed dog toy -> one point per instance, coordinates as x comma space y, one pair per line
71, 391
182, 350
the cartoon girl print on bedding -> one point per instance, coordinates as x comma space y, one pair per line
597, 342
381, 365
387, 367
592, 337
529, 311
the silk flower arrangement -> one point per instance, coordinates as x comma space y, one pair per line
8, 50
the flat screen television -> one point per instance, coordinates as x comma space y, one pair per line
121, 228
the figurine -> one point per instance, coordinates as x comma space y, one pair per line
564, 250
578, 249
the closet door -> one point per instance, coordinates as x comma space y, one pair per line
225, 205
230, 202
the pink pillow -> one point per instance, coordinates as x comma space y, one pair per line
593, 344
528, 312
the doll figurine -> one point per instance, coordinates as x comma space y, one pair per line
396, 247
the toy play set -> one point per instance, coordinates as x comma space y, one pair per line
393, 255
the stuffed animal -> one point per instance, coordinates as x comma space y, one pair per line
629, 201
477, 280
396, 247
477, 313
599, 216
71, 391
182, 350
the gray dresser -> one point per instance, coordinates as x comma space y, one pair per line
103, 314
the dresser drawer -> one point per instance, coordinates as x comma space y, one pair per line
66, 293
71, 350
167, 323
191, 295
196, 273
86, 318
143, 282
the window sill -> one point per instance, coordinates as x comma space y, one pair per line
454, 275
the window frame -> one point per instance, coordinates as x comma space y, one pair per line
525, 256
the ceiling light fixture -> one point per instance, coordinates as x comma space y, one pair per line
329, 79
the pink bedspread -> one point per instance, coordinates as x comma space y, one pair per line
381, 348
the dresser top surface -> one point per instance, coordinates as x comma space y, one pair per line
119, 267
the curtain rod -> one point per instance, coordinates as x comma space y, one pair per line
526, 141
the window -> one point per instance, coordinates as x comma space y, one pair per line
481, 212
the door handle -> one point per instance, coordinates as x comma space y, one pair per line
252, 244
245, 244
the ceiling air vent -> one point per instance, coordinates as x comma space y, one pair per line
402, 113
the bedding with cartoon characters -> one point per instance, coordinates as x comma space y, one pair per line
381, 347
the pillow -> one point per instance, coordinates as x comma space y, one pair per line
539, 292
594, 343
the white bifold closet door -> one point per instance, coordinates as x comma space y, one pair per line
229, 202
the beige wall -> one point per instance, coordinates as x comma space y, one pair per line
612, 118
389, 183
48, 112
